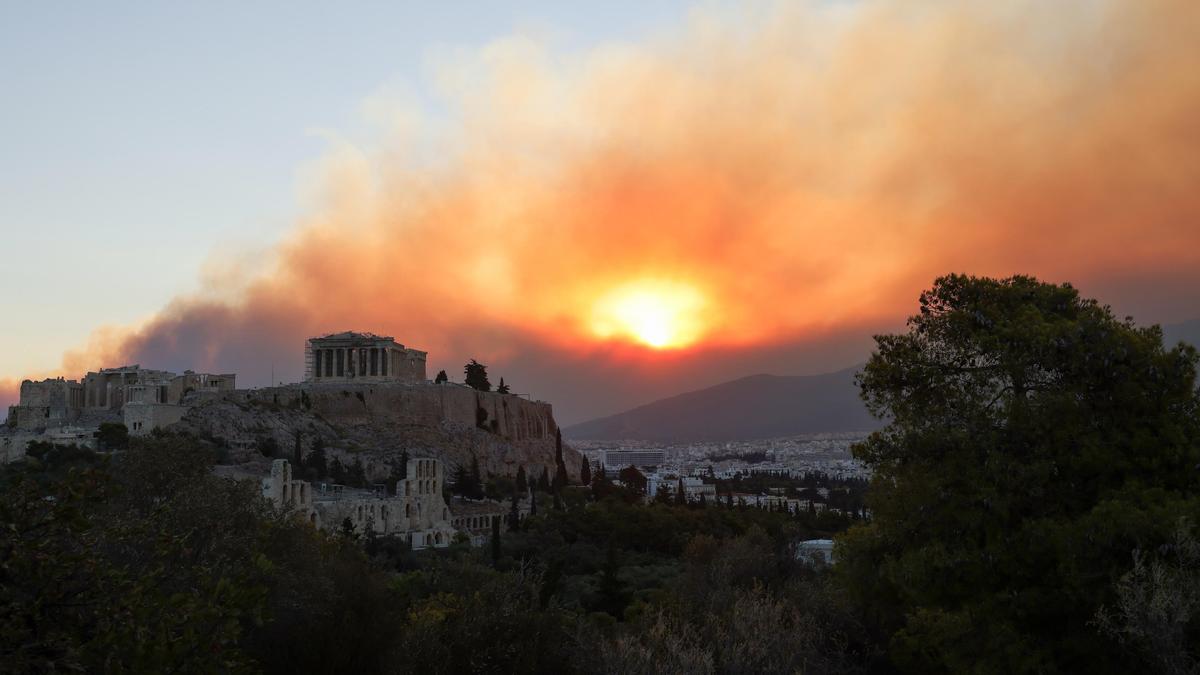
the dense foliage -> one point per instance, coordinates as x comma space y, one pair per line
146, 561
1034, 442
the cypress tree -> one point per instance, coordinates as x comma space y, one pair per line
316, 458
522, 482
404, 464
544, 481
297, 452
476, 480
495, 541
532, 503
585, 472
514, 515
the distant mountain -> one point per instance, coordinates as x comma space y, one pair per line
758, 406
1188, 331
764, 406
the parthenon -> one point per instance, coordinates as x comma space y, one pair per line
361, 357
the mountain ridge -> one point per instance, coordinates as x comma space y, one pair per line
747, 408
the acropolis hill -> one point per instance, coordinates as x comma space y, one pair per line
364, 398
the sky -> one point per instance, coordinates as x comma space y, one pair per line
605, 202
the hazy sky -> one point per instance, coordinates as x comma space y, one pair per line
606, 203
138, 138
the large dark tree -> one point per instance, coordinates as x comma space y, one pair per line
522, 481
585, 472
112, 436
441, 377
477, 377
316, 461
1033, 440
633, 479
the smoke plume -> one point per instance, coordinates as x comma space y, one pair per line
803, 171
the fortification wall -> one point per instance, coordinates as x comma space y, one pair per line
510, 417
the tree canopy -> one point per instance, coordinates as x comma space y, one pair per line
477, 377
1033, 441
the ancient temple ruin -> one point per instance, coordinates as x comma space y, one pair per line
417, 512
361, 357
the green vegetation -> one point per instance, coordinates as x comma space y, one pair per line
146, 561
1032, 509
1034, 442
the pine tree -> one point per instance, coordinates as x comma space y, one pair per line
441, 377
522, 482
503, 388
476, 376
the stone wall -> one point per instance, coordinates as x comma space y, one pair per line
142, 418
515, 418
47, 404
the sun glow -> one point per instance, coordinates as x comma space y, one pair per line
662, 315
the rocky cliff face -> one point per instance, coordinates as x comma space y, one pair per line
376, 423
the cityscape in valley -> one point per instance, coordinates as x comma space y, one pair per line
677, 338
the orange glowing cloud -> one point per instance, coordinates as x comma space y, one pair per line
751, 179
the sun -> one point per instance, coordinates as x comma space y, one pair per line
658, 314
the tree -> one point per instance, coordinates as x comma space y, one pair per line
543, 483
357, 474
514, 515
681, 494
476, 480
613, 596
663, 495
495, 541
522, 481
112, 436
560, 467
477, 376
441, 377
403, 468
1032, 441
503, 388
633, 478
585, 472
297, 452
316, 461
